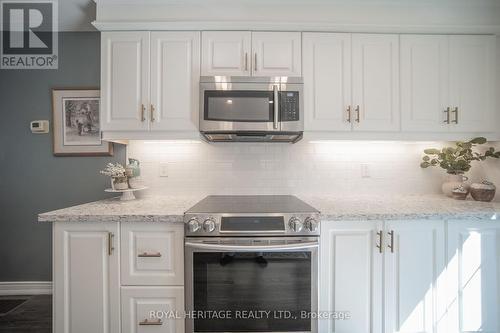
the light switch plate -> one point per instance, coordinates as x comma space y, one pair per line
163, 170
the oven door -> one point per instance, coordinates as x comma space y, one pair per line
229, 107
251, 285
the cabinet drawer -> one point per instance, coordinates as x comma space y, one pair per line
152, 254
138, 303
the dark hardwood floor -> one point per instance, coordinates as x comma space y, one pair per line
35, 315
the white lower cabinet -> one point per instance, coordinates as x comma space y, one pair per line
138, 304
415, 273
389, 275
86, 292
473, 270
428, 276
152, 254
351, 276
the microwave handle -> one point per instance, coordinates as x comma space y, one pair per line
250, 248
276, 106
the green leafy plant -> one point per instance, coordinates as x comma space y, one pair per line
457, 160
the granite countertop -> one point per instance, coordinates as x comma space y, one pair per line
147, 209
332, 208
406, 207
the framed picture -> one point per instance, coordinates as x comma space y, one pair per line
77, 130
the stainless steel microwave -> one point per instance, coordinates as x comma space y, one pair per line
251, 109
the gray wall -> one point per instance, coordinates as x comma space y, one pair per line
32, 180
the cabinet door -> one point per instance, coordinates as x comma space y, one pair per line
472, 83
226, 53
139, 302
276, 54
375, 65
473, 263
152, 254
351, 276
327, 80
415, 276
124, 80
424, 82
86, 278
175, 74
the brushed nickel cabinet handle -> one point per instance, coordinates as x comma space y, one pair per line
143, 111
391, 244
349, 114
149, 255
255, 63
149, 322
455, 111
110, 243
380, 239
246, 61
357, 113
447, 111
152, 113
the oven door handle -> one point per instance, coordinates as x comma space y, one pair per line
250, 248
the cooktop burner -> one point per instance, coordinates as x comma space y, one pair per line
248, 204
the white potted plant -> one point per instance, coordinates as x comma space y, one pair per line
118, 176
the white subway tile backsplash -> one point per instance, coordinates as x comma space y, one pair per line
304, 168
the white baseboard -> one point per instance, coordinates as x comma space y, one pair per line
26, 288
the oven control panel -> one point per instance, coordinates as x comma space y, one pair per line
252, 225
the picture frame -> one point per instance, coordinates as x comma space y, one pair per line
76, 123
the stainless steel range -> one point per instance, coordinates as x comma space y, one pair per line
251, 265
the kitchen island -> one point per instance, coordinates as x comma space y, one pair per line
417, 263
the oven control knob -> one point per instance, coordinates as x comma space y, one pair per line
209, 225
311, 224
295, 224
193, 225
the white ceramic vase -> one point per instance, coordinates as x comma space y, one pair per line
452, 182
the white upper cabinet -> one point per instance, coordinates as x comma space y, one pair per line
472, 68
226, 53
424, 82
327, 81
447, 83
150, 81
351, 82
243, 53
415, 275
276, 53
375, 68
124, 80
175, 72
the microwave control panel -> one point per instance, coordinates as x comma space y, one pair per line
289, 105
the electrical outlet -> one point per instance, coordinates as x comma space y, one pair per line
163, 170
365, 171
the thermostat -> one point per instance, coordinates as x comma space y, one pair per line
39, 126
